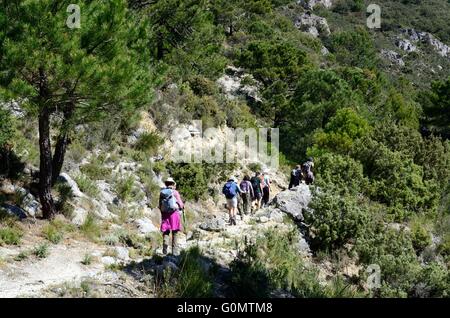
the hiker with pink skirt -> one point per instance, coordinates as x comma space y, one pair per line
171, 205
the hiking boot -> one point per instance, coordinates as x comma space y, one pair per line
166, 242
234, 221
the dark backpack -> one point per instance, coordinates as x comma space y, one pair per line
307, 168
229, 189
244, 186
168, 201
256, 184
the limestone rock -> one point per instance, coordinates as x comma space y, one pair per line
65, 178
310, 4
393, 56
292, 202
213, 223
145, 226
313, 24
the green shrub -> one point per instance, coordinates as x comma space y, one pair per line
190, 281
10, 235
149, 142
393, 251
90, 228
96, 171
124, 187
341, 173
420, 236
52, 233
87, 186
23, 255
41, 251
335, 219
87, 259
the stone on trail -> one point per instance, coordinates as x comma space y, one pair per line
292, 202
214, 224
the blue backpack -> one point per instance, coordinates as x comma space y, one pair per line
229, 189
168, 201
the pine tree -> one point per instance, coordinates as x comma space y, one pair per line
78, 74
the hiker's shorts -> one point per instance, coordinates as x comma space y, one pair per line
232, 203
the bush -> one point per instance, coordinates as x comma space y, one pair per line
190, 281
124, 187
90, 228
87, 186
335, 220
341, 173
393, 251
191, 179
149, 142
420, 236
52, 233
96, 171
10, 236
41, 251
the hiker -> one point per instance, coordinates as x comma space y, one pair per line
231, 191
246, 195
171, 207
307, 171
296, 177
266, 189
257, 190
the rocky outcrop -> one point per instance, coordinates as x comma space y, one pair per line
236, 83
425, 37
294, 201
405, 45
310, 4
25, 200
394, 57
312, 24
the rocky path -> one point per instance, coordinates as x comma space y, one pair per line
218, 241
63, 264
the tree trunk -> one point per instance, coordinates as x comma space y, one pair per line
45, 171
58, 156
61, 144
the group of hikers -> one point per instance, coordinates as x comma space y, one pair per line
301, 173
247, 197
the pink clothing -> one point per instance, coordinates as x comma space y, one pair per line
172, 221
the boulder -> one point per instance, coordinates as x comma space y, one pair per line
122, 253
79, 215
65, 178
393, 57
14, 211
292, 202
406, 45
313, 24
310, 4
213, 224
145, 226
106, 195
232, 85
108, 260
425, 37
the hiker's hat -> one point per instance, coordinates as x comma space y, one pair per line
170, 180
